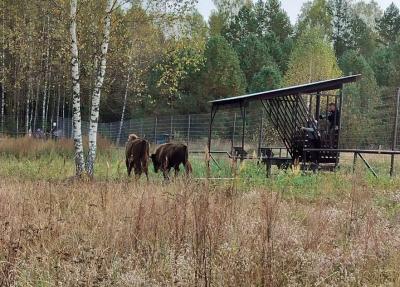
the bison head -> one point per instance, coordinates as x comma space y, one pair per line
156, 164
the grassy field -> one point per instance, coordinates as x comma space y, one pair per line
328, 229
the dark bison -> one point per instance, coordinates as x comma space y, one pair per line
171, 155
137, 156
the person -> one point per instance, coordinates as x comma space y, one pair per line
333, 116
314, 138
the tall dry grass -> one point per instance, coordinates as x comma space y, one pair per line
28, 147
192, 234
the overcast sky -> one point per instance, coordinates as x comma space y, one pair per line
292, 7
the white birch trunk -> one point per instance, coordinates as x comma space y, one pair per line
46, 75
58, 106
17, 117
76, 123
36, 106
123, 109
29, 92
94, 114
28, 103
3, 70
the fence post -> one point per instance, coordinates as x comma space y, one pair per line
234, 131
394, 143
172, 125
155, 130
141, 128
188, 131
260, 135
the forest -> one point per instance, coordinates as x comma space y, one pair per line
71, 214
165, 58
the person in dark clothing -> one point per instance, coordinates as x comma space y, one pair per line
314, 138
333, 117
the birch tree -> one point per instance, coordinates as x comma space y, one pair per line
121, 123
46, 74
95, 106
3, 67
77, 129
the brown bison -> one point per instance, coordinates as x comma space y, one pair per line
137, 156
171, 155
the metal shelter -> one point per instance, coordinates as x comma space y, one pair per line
290, 110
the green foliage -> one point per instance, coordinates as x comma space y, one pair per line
389, 25
216, 23
268, 78
362, 99
341, 30
312, 59
277, 20
221, 76
315, 14
362, 37
243, 25
253, 55
382, 62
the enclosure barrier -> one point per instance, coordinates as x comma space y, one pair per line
358, 153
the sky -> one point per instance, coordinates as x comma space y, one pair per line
292, 7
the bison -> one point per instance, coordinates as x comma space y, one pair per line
137, 156
171, 155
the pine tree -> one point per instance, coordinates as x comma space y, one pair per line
389, 25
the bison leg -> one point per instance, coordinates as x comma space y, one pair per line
137, 175
188, 168
165, 173
146, 172
176, 170
145, 168
128, 167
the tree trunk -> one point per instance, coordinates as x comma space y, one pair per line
27, 113
77, 124
58, 106
36, 106
17, 118
123, 109
29, 91
3, 70
53, 107
46, 75
94, 114
65, 133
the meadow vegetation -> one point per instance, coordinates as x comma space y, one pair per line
328, 229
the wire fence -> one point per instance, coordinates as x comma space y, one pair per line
374, 130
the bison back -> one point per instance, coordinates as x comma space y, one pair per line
137, 149
174, 154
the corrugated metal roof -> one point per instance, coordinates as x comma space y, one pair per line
315, 87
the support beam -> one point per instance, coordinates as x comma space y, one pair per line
354, 162
368, 165
214, 110
395, 128
243, 112
318, 106
340, 123
260, 135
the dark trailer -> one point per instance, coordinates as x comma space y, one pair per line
297, 114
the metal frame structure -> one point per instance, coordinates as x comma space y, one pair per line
289, 111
